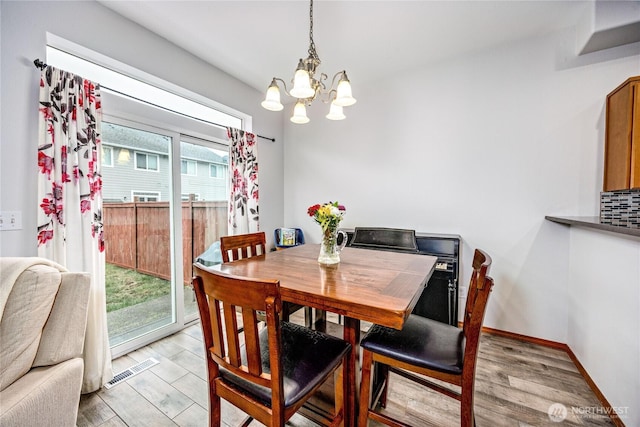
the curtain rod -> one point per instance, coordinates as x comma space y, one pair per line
41, 65
266, 137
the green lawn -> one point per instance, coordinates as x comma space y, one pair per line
125, 287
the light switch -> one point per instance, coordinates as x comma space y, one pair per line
10, 220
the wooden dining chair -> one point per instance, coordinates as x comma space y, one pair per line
430, 348
243, 246
278, 367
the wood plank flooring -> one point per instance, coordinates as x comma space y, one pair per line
516, 385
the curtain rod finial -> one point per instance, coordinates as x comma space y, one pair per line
39, 64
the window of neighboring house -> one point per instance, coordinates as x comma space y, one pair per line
147, 162
190, 196
145, 196
215, 171
124, 156
188, 167
107, 156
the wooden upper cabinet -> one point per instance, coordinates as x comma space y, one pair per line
622, 137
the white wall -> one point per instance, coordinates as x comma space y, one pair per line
484, 146
23, 39
604, 314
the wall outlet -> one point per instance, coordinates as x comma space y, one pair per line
10, 220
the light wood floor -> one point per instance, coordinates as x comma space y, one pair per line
516, 384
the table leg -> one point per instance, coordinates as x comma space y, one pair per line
320, 320
352, 336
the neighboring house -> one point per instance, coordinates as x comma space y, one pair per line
135, 167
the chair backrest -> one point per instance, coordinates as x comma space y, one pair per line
477, 296
242, 246
219, 297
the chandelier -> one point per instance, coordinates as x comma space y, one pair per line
307, 88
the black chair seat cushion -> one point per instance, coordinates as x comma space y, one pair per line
307, 357
421, 342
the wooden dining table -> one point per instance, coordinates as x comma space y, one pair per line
367, 285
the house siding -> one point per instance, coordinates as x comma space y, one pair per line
123, 178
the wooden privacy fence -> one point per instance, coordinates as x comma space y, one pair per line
137, 234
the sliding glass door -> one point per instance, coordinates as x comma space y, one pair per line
165, 184
204, 193
164, 207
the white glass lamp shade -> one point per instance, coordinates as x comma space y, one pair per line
300, 114
302, 85
335, 112
272, 100
343, 92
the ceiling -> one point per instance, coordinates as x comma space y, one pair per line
257, 40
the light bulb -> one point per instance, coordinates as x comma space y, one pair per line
301, 83
299, 113
343, 92
272, 100
335, 112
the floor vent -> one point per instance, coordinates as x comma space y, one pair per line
128, 373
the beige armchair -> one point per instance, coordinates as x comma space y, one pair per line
43, 316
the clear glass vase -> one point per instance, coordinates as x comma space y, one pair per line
329, 248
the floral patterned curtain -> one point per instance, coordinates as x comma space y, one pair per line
70, 200
243, 170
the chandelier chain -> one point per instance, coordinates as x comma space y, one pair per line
312, 46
